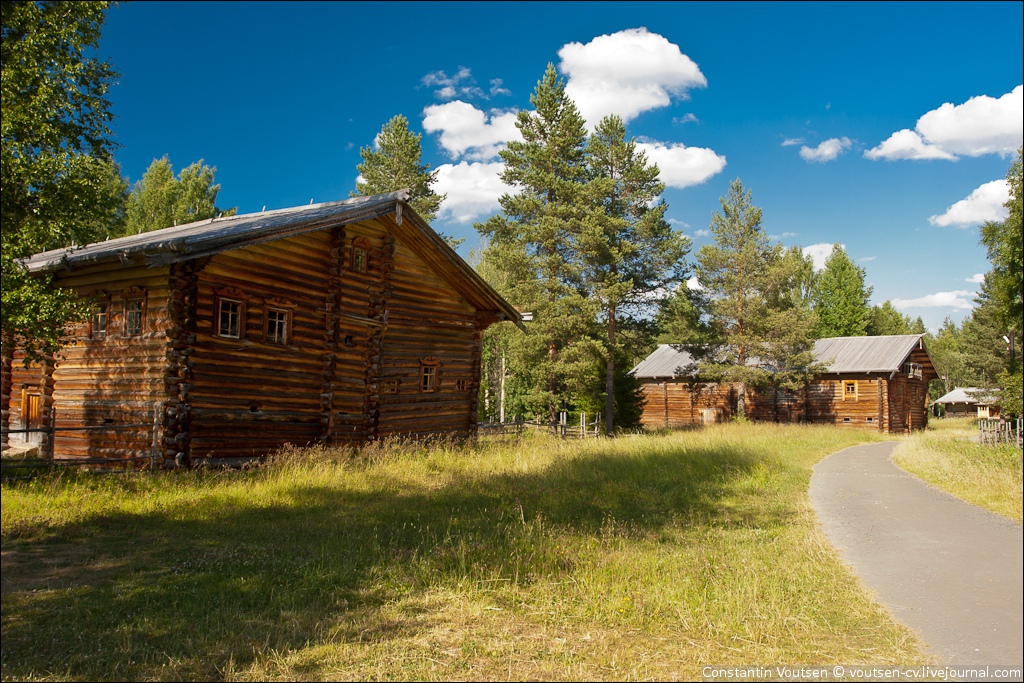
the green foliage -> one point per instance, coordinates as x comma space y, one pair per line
58, 184
840, 298
533, 243
159, 200
628, 250
886, 320
758, 321
394, 162
1004, 244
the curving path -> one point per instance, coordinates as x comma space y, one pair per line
949, 570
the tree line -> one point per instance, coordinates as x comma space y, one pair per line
581, 244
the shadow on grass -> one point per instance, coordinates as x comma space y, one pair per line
181, 593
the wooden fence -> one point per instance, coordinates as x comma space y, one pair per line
585, 429
994, 431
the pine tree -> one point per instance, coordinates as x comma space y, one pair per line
840, 298
534, 239
760, 326
628, 250
394, 162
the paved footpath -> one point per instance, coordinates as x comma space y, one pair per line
949, 570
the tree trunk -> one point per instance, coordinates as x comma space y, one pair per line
609, 377
552, 386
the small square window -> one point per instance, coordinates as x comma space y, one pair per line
428, 378
277, 326
99, 322
230, 318
850, 390
846, 419
132, 318
870, 419
460, 385
391, 386
359, 259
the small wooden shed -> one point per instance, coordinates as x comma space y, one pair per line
969, 402
878, 383
340, 322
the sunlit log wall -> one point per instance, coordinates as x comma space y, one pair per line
876, 402
361, 335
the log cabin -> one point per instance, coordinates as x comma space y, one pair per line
222, 340
875, 383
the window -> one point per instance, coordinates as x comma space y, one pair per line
391, 386
99, 322
230, 317
850, 390
913, 370
132, 318
277, 326
428, 378
460, 385
359, 260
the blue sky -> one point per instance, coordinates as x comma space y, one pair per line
885, 127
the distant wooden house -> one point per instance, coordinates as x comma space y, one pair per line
343, 322
878, 383
969, 402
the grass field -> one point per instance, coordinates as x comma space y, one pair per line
642, 557
985, 475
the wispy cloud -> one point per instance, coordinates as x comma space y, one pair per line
867, 259
826, 151
789, 142
983, 204
687, 118
703, 232
960, 299
981, 125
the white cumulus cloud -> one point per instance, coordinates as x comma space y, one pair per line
468, 131
626, 73
977, 278
819, 253
694, 284
826, 151
981, 125
473, 189
682, 166
983, 204
960, 298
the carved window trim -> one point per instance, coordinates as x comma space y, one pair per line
133, 309
430, 375
100, 317
850, 390
274, 307
224, 300
360, 255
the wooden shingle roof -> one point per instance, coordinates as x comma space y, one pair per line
215, 235
839, 355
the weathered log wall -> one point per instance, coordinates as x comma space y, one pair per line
877, 403
116, 378
428, 324
248, 395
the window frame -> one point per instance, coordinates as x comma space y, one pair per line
282, 326
232, 296
847, 394
430, 376
360, 259
134, 319
102, 310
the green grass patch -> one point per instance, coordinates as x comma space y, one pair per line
640, 557
985, 475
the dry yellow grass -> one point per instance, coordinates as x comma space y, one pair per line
984, 475
640, 557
